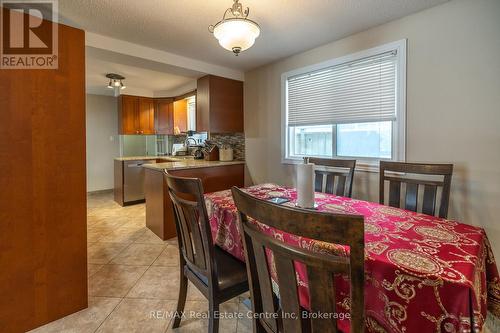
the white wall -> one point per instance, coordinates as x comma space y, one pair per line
102, 141
453, 104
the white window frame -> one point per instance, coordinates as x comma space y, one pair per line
398, 127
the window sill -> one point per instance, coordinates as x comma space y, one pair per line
364, 166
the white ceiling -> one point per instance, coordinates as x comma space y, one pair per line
142, 77
180, 27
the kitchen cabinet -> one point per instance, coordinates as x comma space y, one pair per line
136, 115
180, 115
127, 109
159, 210
219, 105
146, 116
164, 111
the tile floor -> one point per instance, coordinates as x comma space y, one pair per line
134, 277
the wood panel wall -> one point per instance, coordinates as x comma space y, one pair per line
43, 245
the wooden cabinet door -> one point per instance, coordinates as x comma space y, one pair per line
219, 105
164, 116
128, 114
180, 115
146, 116
226, 105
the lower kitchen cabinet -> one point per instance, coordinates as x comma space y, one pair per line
159, 211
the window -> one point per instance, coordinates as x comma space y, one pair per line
352, 107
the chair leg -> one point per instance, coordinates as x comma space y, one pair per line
257, 326
213, 321
181, 301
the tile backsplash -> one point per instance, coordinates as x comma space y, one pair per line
139, 145
235, 140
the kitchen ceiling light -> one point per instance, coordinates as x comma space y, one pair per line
236, 33
115, 82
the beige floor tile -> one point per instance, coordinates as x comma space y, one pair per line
196, 321
102, 253
92, 269
195, 295
94, 234
115, 280
169, 257
163, 283
149, 237
123, 235
245, 324
172, 241
139, 254
85, 321
139, 315
157, 283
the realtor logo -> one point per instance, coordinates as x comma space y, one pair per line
28, 34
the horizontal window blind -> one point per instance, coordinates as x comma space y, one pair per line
359, 91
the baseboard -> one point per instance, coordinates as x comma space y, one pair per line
100, 192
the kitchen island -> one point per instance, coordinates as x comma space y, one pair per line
215, 176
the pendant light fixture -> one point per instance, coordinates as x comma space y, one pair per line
235, 32
116, 82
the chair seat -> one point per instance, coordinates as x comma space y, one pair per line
231, 271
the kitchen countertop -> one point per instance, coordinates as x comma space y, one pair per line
162, 157
188, 164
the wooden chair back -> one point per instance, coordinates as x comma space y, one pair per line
336, 178
193, 228
412, 185
331, 228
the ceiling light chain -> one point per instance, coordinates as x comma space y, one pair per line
236, 33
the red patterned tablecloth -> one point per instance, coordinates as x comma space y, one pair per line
423, 273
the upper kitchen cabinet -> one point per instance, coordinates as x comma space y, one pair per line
146, 115
180, 116
164, 115
136, 115
127, 114
219, 105
175, 115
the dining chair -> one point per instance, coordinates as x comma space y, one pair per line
414, 176
218, 275
331, 170
277, 312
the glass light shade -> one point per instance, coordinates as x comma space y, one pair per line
236, 34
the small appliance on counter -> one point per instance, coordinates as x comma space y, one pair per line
211, 151
179, 149
225, 153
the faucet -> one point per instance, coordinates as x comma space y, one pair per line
186, 143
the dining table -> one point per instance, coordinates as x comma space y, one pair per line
422, 273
